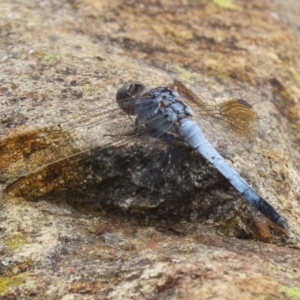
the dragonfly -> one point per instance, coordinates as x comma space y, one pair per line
232, 125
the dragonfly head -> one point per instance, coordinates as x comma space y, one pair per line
126, 95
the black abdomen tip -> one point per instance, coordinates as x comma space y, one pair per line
268, 210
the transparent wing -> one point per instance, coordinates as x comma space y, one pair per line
26, 149
231, 126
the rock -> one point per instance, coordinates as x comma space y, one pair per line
110, 223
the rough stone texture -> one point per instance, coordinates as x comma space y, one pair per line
107, 223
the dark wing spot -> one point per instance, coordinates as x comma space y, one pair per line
241, 101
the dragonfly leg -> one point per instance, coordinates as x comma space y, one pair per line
135, 126
168, 139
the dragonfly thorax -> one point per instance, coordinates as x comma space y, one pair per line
164, 94
173, 108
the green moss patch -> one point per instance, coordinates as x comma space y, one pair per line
227, 4
16, 241
11, 281
292, 292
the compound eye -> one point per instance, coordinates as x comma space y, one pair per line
136, 89
123, 92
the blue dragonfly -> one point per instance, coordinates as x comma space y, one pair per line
164, 109
232, 125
